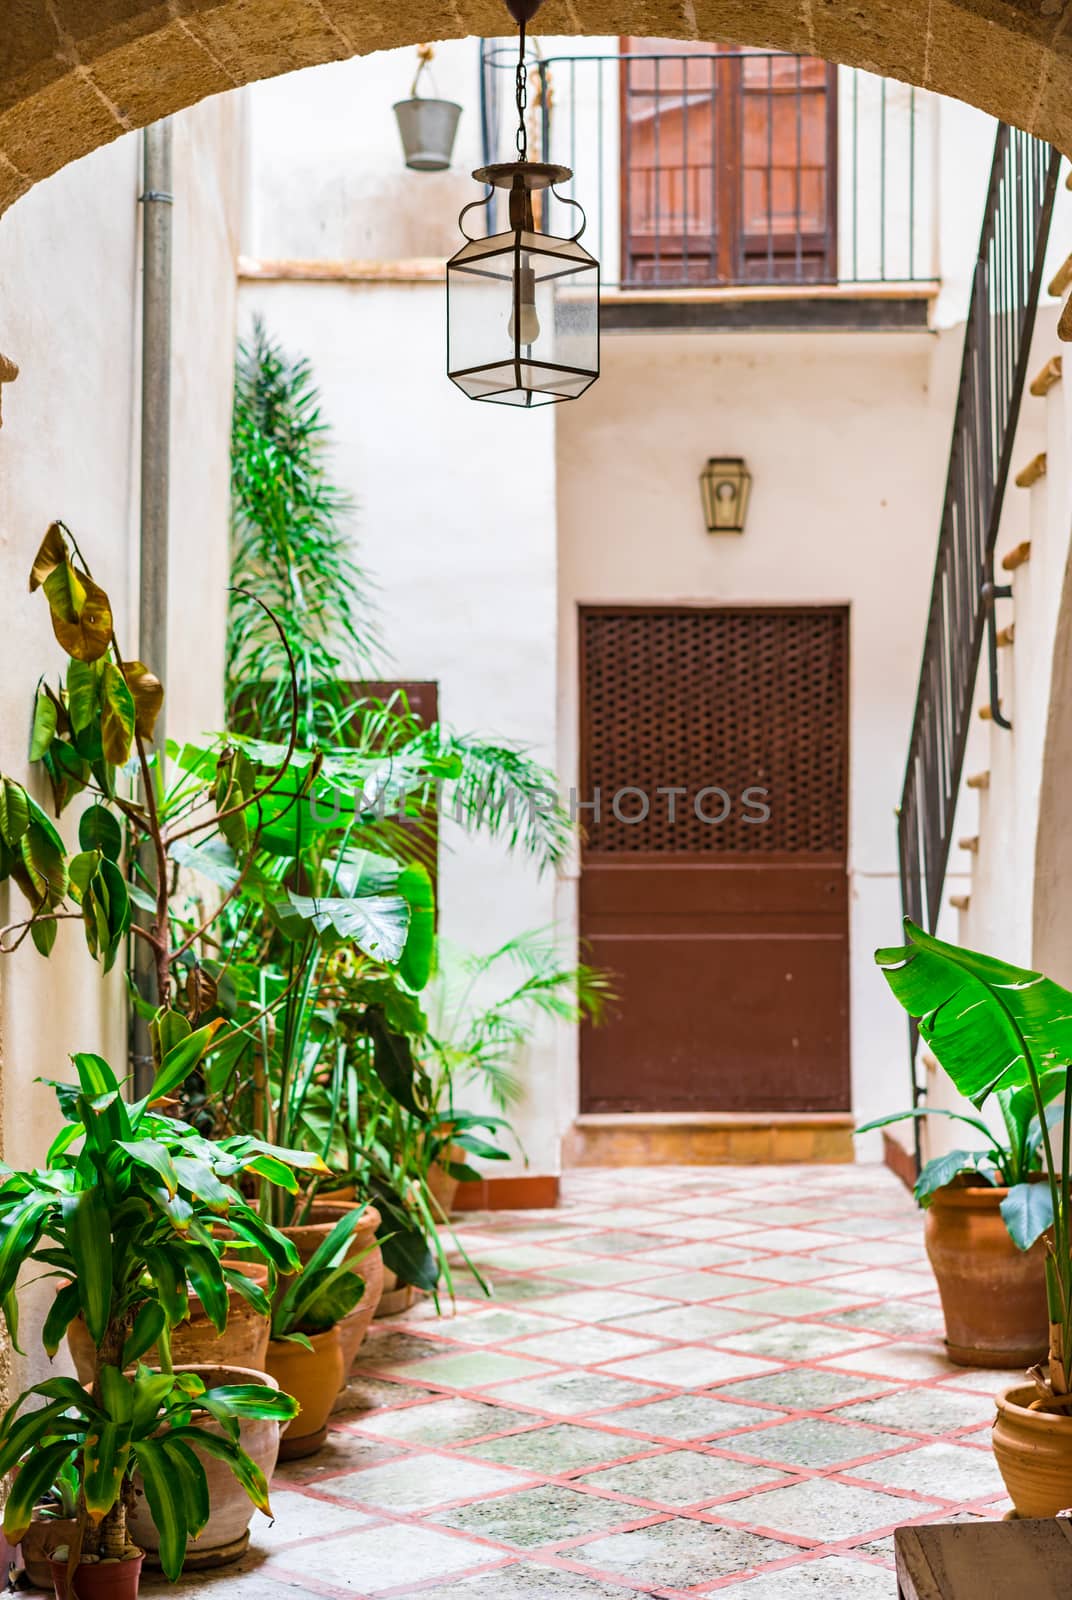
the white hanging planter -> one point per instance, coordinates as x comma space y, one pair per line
427, 126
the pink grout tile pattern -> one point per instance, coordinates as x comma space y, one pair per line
689, 1381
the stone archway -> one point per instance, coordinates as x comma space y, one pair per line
76, 73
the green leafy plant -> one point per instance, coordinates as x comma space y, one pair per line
327, 1290
1003, 1162
994, 1028
127, 1212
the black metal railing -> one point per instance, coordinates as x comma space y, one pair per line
997, 340
710, 165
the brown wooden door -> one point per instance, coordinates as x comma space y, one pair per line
726, 928
728, 161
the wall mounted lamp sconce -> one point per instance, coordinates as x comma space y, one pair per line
725, 485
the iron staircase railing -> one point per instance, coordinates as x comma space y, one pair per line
1001, 318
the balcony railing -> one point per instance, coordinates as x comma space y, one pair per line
716, 166
997, 341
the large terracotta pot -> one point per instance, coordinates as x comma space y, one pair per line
99, 1580
314, 1377
38, 1542
195, 1342
226, 1535
1033, 1450
310, 1235
993, 1295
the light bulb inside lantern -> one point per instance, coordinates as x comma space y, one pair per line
529, 321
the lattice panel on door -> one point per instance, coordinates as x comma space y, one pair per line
733, 699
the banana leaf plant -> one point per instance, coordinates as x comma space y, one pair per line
327, 1290
128, 1211
994, 1027
1003, 1162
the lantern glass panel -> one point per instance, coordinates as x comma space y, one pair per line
523, 318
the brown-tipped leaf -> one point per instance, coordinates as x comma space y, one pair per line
81, 612
51, 554
148, 693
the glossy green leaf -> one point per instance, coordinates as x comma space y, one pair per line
99, 830
418, 955
941, 1171
45, 721
208, 1283
20, 1229
183, 1058
34, 1479
88, 1231
149, 1324
1028, 1213
118, 716
247, 1472
170, 1282
151, 1390
32, 1430
189, 1471
83, 694
14, 811
164, 1494
61, 1313
117, 1394
43, 932
980, 1016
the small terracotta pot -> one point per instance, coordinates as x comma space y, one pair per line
993, 1295
310, 1235
226, 1534
442, 1187
38, 1543
99, 1580
1033, 1450
195, 1342
314, 1377
396, 1297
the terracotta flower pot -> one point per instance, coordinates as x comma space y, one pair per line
314, 1377
310, 1235
993, 1295
396, 1297
99, 1580
1033, 1450
38, 1543
195, 1342
226, 1534
444, 1188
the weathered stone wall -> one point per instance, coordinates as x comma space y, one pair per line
78, 73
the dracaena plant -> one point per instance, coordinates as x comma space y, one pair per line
996, 1028
127, 1212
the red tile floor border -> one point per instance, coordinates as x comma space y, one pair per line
504, 1450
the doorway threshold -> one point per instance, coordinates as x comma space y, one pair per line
708, 1138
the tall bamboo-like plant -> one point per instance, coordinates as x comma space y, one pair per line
996, 1027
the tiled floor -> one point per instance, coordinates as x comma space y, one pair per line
690, 1381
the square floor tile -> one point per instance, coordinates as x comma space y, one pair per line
571, 1393
814, 1442
601, 1305
389, 1556
898, 1317
951, 1471
616, 1243
707, 1228
680, 1478
417, 1482
876, 1253
825, 1578
683, 1416
796, 1300
396, 1346
931, 1410
519, 1581
824, 1511
795, 1269
909, 1361
583, 1347
693, 1366
492, 1327
691, 1322
301, 1516
473, 1369
605, 1270
697, 1286
562, 1447
443, 1422
790, 1240
679, 1554
885, 1283
702, 1253
798, 1341
535, 1517
804, 1388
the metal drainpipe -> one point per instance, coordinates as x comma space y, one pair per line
156, 202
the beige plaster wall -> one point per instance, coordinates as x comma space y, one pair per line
70, 316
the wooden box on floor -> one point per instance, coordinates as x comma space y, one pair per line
985, 1561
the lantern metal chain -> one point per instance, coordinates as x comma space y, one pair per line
522, 97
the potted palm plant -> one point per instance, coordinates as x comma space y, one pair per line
993, 1026
125, 1214
993, 1292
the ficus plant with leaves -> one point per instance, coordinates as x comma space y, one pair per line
999, 1029
131, 1208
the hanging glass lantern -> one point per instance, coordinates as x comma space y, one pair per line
523, 306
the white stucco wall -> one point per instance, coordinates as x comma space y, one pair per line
70, 316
